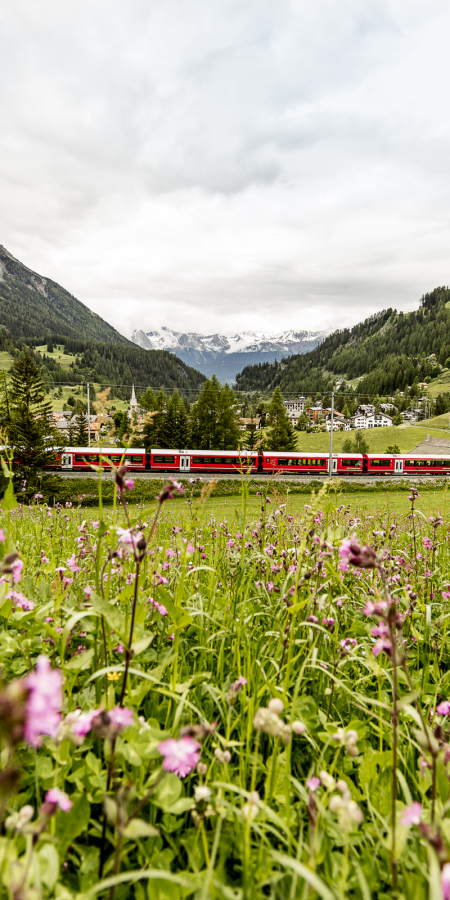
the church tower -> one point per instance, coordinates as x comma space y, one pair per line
133, 404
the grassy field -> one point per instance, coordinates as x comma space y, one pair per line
361, 504
226, 706
405, 436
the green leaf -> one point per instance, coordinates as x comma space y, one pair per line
138, 647
137, 828
179, 616
167, 793
112, 615
82, 661
9, 500
306, 874
5, 469
48, 865
69, 825
102, 529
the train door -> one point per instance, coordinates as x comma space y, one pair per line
334, 463
67, 461
398, 467
185, 463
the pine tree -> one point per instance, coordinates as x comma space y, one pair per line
213, 425
154, 427
31, 431
175, 431
72, 432
281, 436
81, 437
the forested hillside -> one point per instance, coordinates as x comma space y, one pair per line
387, 351
36, 311
33, 307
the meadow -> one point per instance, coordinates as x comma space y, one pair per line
234, 698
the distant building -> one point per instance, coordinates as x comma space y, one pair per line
376, 420
133, 411
246, 424
295, 408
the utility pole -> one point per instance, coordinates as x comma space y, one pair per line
88, 415
330, 464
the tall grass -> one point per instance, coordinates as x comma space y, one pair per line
296, 665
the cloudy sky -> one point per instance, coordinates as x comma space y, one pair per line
222, 165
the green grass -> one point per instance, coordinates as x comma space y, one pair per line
5, 360
362, 502
405, 436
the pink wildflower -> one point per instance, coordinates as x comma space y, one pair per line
348, 643
58, 798
17, 567
411, 815
381, 644
2, 535
181, 756
444, 708
445, 882
19, 600
44, 702
446, 595
72, 563
313, 783
120, 718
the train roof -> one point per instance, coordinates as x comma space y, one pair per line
238, 453
105, 450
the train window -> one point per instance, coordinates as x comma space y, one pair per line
350, 462
135, 459
379, 462
163, 459
79, 458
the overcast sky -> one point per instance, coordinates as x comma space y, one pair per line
222, 165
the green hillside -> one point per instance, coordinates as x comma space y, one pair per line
33, 307
384, 354
37, 312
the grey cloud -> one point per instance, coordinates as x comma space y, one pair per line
183, 162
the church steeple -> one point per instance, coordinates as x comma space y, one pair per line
133, 403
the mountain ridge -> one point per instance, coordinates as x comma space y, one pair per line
224, 355
386, 352
32, 307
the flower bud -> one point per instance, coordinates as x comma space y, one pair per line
276, 706
298, 727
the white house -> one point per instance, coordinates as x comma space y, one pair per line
294, 408
376, 420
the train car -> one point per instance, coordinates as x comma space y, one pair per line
383, 464
424, 464
202, 460
314, 463
296, 463
80, 459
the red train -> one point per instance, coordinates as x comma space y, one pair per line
79, 459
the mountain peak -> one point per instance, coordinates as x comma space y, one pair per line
225, 355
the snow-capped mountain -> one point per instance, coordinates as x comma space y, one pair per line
223, 355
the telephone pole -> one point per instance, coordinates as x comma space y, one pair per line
88, 415
330, 463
